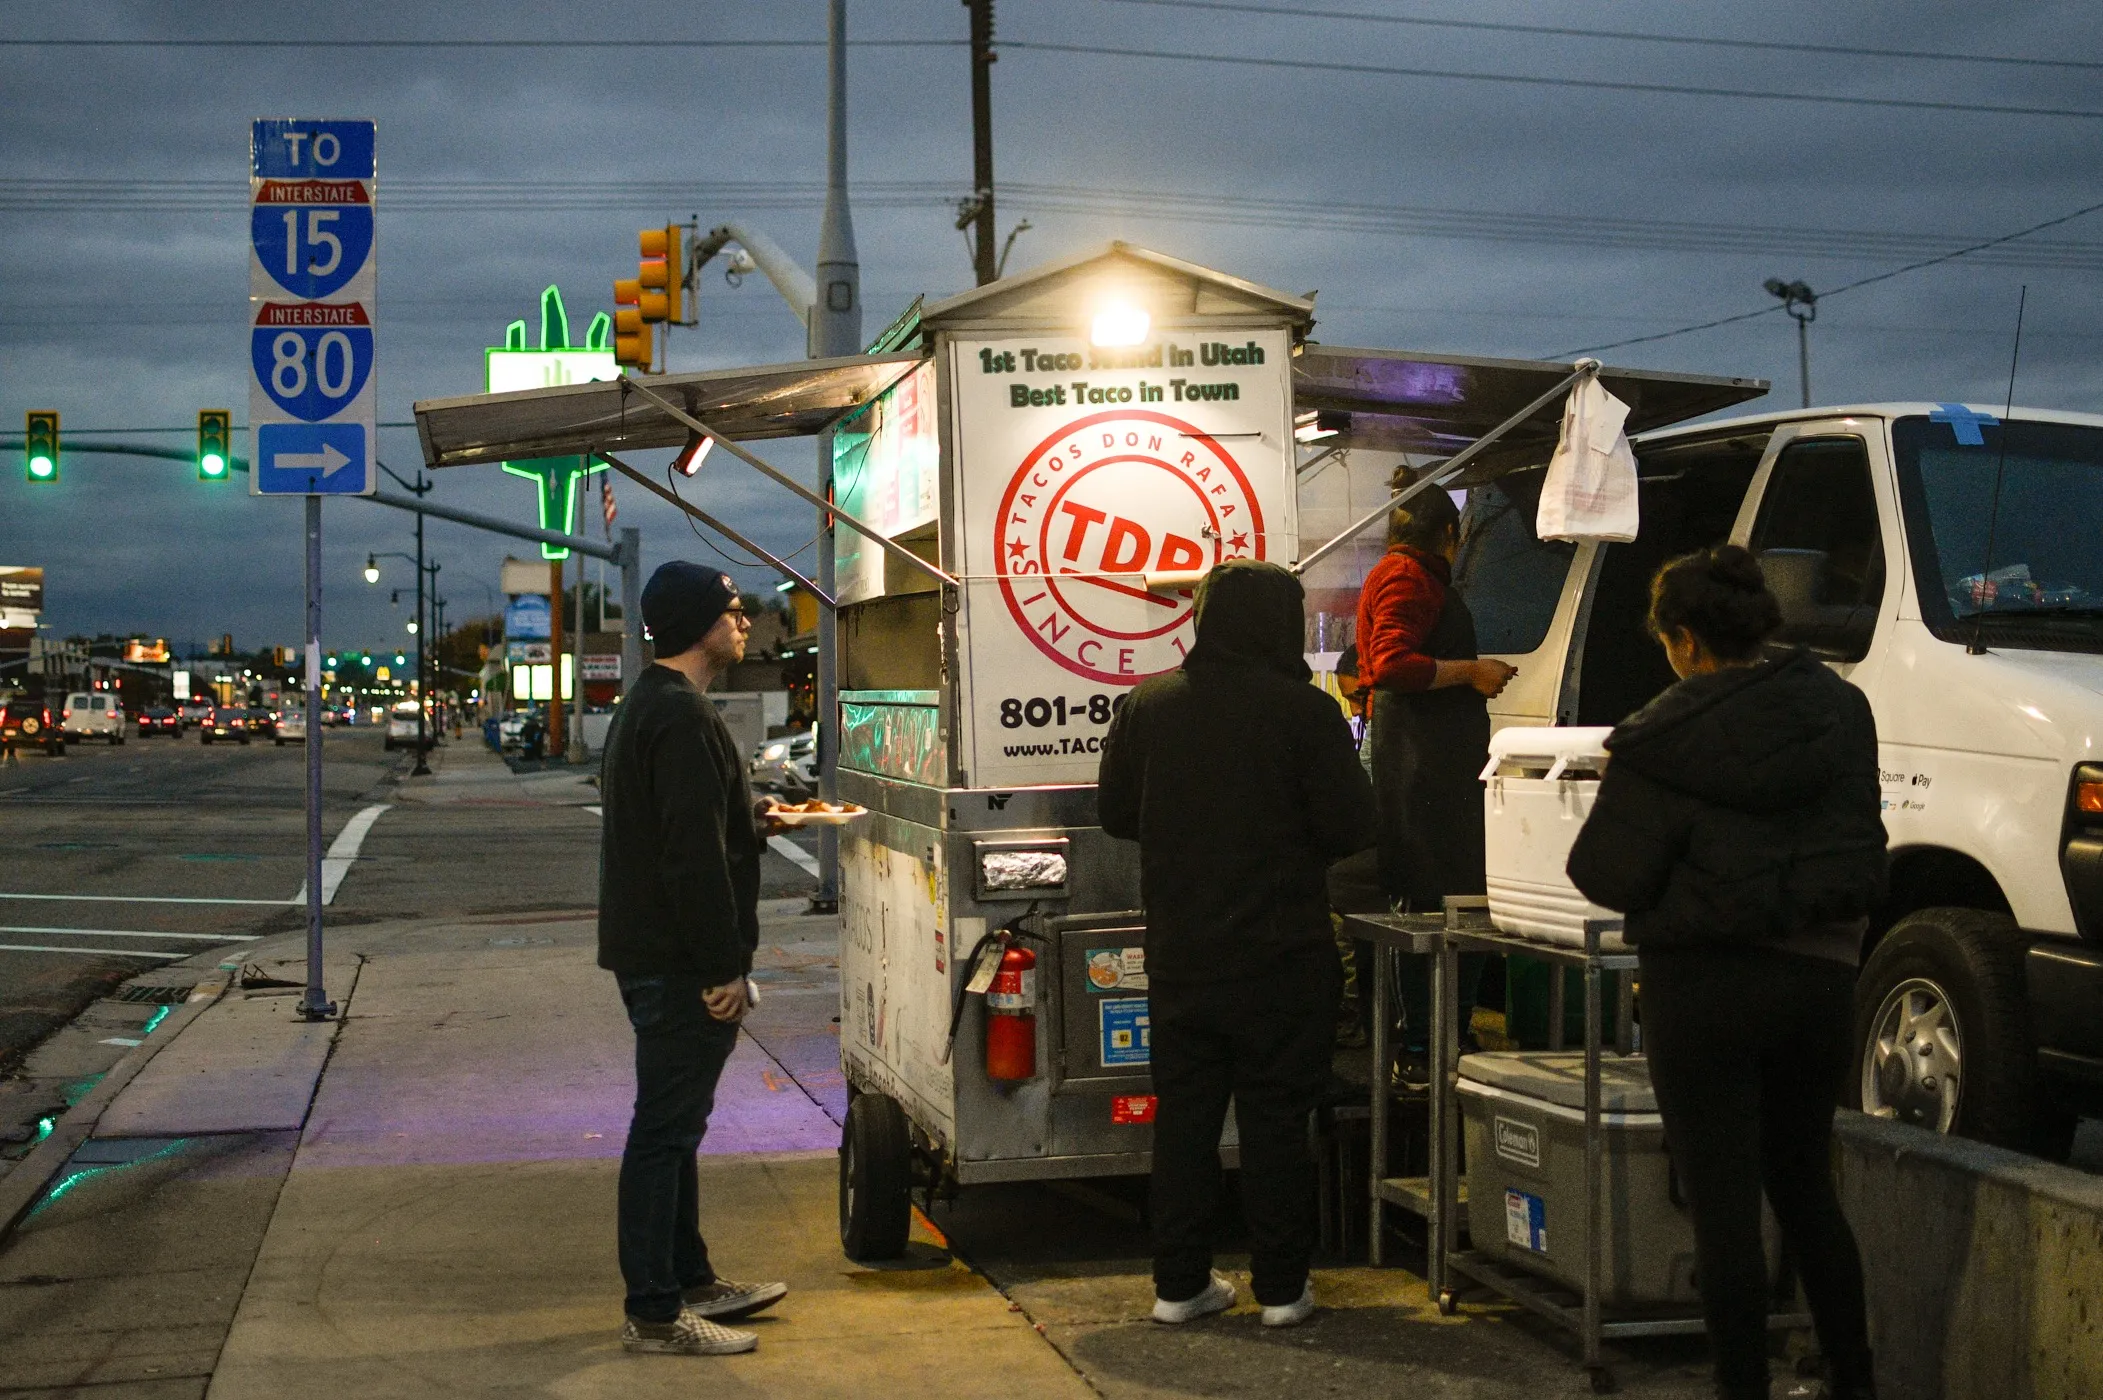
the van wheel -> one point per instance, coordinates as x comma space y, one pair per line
1942, 1033
876, 1179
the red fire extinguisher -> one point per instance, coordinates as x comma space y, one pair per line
1011, 1016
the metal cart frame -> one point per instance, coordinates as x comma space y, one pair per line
1465, 927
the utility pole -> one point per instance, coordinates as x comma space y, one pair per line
1802, 304
979, 208
555, 730
835, 329
423, 689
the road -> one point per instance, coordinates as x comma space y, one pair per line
118, 860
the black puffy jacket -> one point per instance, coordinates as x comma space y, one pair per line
1241, 785
1739, 807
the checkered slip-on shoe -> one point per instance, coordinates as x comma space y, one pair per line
728, 1298
689, 1334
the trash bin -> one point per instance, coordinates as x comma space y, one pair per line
1525, 1139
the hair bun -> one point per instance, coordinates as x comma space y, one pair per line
1735, 565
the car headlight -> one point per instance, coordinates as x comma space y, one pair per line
773, 751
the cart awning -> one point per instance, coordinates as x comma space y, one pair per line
1435, 405
745, 404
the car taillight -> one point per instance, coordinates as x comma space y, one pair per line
2088, 791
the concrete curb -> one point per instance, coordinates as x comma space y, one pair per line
1983, 1265
23, 1187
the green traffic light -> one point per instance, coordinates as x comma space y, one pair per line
368, 658
215, 434
40, 445
41, 467
400, 660
213, 464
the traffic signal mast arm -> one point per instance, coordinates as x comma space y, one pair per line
796, 286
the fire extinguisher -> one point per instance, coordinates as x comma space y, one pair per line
1011, 1016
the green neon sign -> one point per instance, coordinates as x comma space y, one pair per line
514, 366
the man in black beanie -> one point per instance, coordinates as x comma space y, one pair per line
678, 920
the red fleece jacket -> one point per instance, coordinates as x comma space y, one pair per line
1399, 605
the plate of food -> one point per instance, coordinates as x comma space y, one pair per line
818, 812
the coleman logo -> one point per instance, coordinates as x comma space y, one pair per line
1517, 1142
1097, 505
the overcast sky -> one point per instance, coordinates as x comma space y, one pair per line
1485, 217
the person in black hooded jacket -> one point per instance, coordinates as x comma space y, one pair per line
1240, 783
1739, 828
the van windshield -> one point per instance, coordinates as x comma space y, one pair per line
2018, 566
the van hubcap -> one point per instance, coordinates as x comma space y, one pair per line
1913, 1071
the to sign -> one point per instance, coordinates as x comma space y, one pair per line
312, 398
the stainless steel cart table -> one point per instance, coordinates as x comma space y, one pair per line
1466, 927
1390, 934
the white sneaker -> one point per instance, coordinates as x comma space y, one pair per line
690, 1334
1217, 1297
1294, 1313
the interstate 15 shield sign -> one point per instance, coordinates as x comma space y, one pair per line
1083, 472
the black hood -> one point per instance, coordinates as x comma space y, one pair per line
1757, 739
1251, 615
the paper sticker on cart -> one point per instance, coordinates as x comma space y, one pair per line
1526, 1221
1117, 969
1127, 1037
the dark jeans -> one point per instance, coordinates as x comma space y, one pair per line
679, 1055
1748, 1050
1263, 1042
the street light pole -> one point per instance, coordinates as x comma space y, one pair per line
422, 769
1802, 305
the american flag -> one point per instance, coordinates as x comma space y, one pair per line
606, 506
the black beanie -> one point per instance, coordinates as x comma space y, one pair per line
681, 602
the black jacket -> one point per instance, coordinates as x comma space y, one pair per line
1739, 807
1240, 783
680, 848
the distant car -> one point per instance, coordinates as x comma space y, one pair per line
94, 715
196, 710
159, 720
511, 729
227, 722
24, 722
787, 764
401, 726
291, 727
262, 722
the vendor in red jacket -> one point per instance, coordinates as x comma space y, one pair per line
1429, 729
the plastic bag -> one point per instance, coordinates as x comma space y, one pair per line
1590, 493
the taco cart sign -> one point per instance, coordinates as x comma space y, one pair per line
1084, 470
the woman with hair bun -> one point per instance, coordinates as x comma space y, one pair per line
1739, 828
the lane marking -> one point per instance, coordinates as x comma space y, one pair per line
146, 899
342, 852
134, 933
594, 810
783, 846
92, 952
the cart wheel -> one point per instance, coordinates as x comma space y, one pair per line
1602, 1380
876, 1179
1448, 1304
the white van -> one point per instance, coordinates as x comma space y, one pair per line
94, 715
1980, 1006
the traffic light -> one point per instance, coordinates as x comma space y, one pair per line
40, 446
656, 293
215, 437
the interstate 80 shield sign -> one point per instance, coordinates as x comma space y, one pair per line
1082, 472
312, 274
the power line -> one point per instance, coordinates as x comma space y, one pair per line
431, 194
1849, 287
1528, 80
1632, 36
630, 44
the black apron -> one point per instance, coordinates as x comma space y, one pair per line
1428, 749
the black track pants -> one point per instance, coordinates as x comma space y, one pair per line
1747, 1052
1264, 1043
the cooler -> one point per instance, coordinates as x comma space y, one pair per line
1541, 784
1524, 1120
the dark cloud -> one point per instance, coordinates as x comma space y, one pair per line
131, 314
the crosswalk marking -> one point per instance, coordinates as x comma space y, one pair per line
93, 952
132, 933
145, 899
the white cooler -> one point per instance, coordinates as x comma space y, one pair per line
1541, 786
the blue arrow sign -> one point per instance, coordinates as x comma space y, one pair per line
311, 458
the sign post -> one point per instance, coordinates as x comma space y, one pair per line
312, 400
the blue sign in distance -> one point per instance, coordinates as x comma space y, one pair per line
292, 148
311, 459
527, 619
311, 250
311, 372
